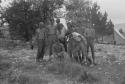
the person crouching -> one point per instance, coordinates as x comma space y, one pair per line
58, 51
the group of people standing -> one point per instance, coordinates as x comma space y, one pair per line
52, 36
48, 35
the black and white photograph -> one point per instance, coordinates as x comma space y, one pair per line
62, 42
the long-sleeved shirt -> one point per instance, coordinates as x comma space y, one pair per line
52, 30
41, 33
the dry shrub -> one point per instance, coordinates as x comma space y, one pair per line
5, 66
14, 74
38, 81
65, 68
72, 70
123, 82
29, 67
111, 58
20, 79
23, 79
87, 77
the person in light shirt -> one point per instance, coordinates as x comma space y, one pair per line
41, 36
90, 36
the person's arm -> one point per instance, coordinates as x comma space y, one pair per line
53, 49
36, 37
85, 33
62, 46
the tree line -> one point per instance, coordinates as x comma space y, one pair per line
23, 16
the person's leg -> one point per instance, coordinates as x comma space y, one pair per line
87, 48
65, 44
92, 51
42, 50
50, 46
52, 41
39, 50
88, 59
83, 49
63, 41
38, 55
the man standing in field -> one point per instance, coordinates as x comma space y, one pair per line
90, 36
51, 36
41, 36
60, 32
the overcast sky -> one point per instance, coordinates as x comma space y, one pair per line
114, 8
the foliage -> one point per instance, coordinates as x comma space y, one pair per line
101, 24
22, 19
81, 12
110, 28
77, 13
23, 16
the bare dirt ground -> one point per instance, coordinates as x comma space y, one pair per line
18, 66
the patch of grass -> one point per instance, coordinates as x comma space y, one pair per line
123, 82
87, 77
23, 79
72, 70
38, 81
69, 69
5, 66
29, 67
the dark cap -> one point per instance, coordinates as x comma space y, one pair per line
58, 20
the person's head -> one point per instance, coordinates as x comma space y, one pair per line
48, 22
58, 21
41, 25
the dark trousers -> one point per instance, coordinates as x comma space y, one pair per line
41, 49
52, 39
90, 44
63, 41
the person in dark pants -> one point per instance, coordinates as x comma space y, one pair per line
90, 36
41, 37
51, 36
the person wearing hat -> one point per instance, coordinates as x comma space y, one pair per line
58, 49
41, 36
51, 36
61, 34
90, 36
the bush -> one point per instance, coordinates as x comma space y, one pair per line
29, 67
71, 70
23, 79
87, 77
63, 68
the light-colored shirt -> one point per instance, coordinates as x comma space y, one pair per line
42, 33
51, 29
